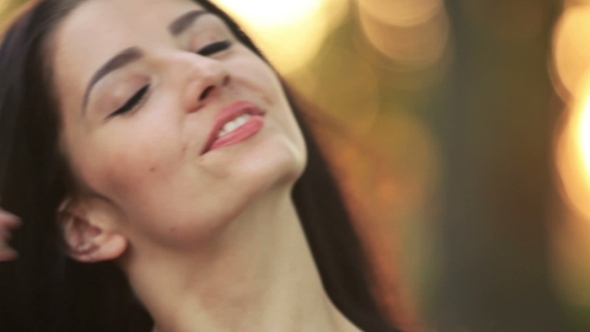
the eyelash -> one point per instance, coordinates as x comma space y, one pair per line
214, 48
140, 94
132, 102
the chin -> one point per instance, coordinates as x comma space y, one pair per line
267, 168
273, 156
276, 162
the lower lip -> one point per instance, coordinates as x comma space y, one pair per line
247, 130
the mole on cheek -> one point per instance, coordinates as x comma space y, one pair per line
153, 169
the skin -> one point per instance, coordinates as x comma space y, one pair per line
7, 222
147, 163
208, 241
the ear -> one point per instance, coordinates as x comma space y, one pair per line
89, 232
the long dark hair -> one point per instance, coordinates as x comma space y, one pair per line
44, 290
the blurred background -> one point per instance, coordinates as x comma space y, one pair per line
460, 131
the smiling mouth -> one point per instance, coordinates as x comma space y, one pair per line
234, 124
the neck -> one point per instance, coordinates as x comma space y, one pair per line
258, 274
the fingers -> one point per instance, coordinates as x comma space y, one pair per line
7, 253
7, 221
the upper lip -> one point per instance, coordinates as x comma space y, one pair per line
228, 114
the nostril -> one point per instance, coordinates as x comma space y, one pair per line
206, 93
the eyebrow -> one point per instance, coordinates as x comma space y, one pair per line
125, 57
184, 22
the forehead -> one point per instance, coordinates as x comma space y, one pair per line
98, 29
116, 20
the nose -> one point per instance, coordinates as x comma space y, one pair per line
206, 79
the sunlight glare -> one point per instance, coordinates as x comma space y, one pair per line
573, 155
571, 64
584, 136
271, 13
289, 33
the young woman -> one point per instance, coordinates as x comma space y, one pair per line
165, 180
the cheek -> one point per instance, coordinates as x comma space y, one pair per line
251, 72
259, 77
120, 163
122, 171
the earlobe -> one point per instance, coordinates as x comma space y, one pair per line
87, 237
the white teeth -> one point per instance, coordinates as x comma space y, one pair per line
233, 125
230, 126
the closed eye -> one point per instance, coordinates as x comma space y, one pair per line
132, 102
214, 48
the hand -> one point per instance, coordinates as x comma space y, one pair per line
7, 222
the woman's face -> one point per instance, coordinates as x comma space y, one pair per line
168, 118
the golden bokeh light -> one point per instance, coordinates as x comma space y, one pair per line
571, 69
4, 5
571, 236
584, 135
572, 49
573, 156
290, 33
272, 13
569, 3
401, 13
413, 47
414, 34
571, 77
